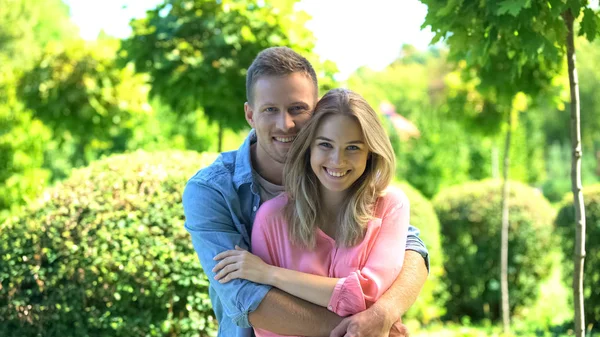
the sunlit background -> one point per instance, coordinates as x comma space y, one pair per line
108, 107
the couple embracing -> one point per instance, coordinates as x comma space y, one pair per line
298, 230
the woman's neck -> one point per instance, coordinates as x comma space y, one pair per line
329, 209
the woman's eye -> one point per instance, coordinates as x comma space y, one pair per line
353, 148
327, 145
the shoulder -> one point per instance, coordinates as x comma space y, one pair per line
393, 198
272, 208
216, 175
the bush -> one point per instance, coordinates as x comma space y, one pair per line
430, 303
105, 253
470, 216
565, 226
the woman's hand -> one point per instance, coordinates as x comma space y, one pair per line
240, 263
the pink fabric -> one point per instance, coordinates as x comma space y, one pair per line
366, 270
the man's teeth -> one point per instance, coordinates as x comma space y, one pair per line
284, 140
337, 174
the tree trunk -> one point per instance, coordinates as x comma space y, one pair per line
504, 235
576, 186
220, 144
495, 165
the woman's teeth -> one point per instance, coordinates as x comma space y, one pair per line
337, 174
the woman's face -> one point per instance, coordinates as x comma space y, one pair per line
339, 153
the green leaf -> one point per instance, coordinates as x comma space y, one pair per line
589, 24
512, 7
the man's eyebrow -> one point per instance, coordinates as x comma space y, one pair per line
329, 140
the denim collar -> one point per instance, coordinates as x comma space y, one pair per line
243, 162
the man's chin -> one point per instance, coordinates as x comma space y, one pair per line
279, 158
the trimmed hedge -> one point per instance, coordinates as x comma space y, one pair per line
431, 302
565, 226
471, 217
105, 253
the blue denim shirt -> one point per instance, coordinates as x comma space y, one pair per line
220, 203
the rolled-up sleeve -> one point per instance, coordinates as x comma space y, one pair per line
210, 224
363, 287
414, 243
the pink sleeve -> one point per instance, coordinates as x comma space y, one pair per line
264, 235
363, 287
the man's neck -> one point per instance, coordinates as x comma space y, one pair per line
265, 166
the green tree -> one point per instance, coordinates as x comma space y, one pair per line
22, 141
24, 31
83, 96
518, 46
197, 52
25, 28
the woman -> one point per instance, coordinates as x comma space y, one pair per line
336, 238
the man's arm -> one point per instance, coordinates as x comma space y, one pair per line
211, 227
285, 314
212, 230
379, 318
406, 288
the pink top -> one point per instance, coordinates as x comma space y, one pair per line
366, 270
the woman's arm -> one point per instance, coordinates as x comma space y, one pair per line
245, 265
343, 296
386, 255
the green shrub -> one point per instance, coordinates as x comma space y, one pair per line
470, 216
431, 301
565, 226
105, 253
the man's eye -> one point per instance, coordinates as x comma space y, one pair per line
270, 109
298, 109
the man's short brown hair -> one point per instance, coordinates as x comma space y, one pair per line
277, 61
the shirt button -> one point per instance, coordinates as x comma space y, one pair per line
330, 307
254, 209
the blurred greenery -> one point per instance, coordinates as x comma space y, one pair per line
175, 87
566, 229
470, 225
105, 253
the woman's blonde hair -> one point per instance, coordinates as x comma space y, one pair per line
302, 211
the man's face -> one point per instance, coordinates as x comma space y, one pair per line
281, 107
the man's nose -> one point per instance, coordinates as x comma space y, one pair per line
285, 122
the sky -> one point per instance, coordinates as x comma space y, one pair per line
352, 33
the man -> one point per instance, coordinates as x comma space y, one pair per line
220, 203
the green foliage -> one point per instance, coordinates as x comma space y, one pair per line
470, 216
515, 46
105, 253
431, 302
22, 142
558, 183
565, 226
25, 29
81, 94
430, 163
197, 52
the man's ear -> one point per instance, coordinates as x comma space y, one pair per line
249, 114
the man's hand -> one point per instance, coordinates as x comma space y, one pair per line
373, 322
399, 329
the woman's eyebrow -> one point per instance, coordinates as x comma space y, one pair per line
350, 142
